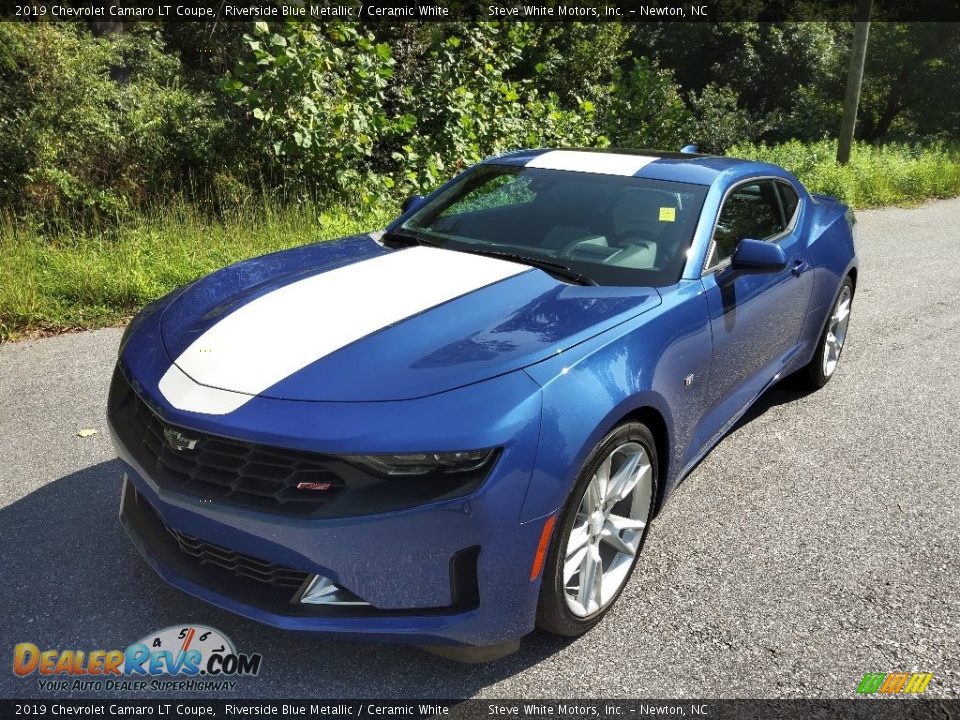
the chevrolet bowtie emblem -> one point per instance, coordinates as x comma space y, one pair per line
178, 441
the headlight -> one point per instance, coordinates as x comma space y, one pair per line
425, 463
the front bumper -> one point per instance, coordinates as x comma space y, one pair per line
450, 572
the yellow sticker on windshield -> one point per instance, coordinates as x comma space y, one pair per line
668, 214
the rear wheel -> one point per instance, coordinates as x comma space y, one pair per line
827, 355
601, 532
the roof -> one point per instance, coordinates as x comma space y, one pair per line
655, 165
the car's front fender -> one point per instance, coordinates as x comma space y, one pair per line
642, 365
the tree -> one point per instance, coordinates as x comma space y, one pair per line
911, 81
851, 99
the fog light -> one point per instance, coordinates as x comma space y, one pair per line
323, 591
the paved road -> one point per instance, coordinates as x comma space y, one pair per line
819, 541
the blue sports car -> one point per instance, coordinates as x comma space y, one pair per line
459, 429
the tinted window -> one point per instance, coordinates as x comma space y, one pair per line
613, 229
752, 210
790, 201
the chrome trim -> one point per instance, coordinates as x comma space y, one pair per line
321, 590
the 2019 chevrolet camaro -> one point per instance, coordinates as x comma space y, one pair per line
459, 429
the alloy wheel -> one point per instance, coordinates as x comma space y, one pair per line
607, 530
836, 332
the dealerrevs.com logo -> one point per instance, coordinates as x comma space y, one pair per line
180, 657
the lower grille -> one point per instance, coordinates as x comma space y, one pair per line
261, 583
238, 563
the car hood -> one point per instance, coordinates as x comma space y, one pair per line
352, 320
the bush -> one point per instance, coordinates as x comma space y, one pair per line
465, 105
876, 175
718, 121
645, 109
90, 127
315, 96
329, 114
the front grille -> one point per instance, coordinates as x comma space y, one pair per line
238, 472
262, 477
238, 563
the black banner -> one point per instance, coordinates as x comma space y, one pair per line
472, 10
483, 709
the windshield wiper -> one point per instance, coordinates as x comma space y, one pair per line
408, 237
548, 266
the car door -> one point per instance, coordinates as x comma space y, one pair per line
755, 318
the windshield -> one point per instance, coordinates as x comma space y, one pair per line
609, 229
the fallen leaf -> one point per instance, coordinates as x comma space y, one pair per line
86, 432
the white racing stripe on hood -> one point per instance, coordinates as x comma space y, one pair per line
272, 337
183, 393
601, 163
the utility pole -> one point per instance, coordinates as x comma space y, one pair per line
851, 100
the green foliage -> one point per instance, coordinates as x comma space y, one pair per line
811, 116
645, 109
91, 276
790, 77
92, 126
315, 96
576, 60
875, 176
718, 121
911, 81
464, 106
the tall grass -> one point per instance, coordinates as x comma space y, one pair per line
95, 276
875, 176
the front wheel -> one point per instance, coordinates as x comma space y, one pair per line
825, 358
601, 532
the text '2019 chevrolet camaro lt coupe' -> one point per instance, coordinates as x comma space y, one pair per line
460, 429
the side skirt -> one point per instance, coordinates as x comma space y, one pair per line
725, 428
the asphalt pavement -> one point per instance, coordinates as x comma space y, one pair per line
820, 540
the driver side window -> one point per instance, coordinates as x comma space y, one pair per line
751, 210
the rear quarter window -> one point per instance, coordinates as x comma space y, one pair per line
790, 199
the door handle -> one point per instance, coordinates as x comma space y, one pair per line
799, 267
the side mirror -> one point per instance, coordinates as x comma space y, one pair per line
757, 256
412, 203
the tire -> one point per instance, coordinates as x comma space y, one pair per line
818, 371
564, 614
